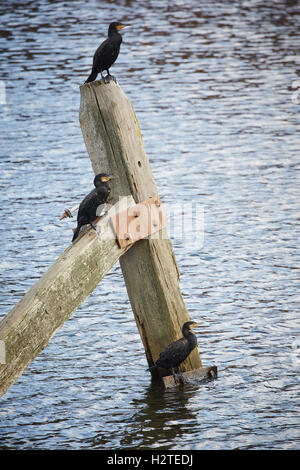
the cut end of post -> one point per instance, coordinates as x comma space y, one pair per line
99, 82
192, 376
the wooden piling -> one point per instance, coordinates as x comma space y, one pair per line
26, 330
114, 142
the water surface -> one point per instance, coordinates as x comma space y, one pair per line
215, 88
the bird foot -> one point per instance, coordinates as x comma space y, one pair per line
182, 379
179, 378
93, 226
108, 78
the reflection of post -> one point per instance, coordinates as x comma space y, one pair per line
114, 143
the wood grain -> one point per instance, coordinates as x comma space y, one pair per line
28, 327
113, 140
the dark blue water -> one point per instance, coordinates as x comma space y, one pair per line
215, 86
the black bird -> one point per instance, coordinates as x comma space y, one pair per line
174, 354
107, 53
88, 207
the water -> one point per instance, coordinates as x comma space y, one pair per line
215, 86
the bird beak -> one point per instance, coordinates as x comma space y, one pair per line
194, 324
113, 177
121, 26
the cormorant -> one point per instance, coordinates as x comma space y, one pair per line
107, 53
88, 207
174, 354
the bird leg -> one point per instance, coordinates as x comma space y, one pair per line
175, 374
109, 77
181, 377
93, 226
104, 78
178, 375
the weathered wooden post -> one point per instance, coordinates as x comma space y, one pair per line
113, 140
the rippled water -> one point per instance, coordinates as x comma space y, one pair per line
215, 88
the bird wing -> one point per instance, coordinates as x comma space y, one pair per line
90, 203
174, 354
105, 51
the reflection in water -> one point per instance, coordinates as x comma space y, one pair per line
159, 418
215, 88
162, 419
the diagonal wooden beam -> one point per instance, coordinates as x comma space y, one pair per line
26, 330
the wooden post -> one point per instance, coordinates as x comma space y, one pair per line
26, 330
113, 139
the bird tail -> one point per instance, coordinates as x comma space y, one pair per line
76, 233
80, 222
92, 76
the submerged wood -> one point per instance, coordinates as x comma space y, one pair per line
114, 142
26, 330
192, 376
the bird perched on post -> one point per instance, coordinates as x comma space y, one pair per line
107, 53
174, 354
87, 211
